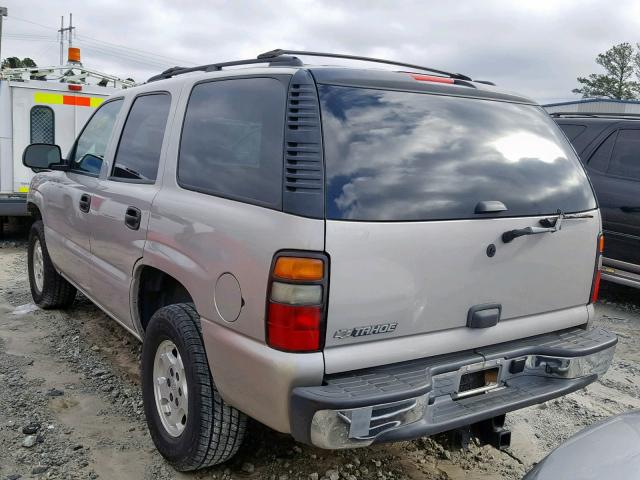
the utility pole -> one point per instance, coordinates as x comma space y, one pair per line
61, 39
62, 31
3, 13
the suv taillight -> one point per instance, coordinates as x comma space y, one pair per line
296, 301
595, 285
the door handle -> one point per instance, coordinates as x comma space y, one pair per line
132, 218
85, 202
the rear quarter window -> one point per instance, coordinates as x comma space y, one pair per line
401, 156
625, 161
232, 140
572, 131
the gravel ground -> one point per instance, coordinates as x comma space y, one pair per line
70, 405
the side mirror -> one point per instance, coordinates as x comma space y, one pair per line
41, 156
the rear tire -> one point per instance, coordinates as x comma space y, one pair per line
203, 432
48, 288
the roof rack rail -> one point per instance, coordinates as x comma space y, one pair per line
213, 67
273, 54
595, 114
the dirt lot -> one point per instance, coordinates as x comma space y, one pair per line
70, 405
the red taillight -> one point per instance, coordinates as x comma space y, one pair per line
595, 285
75, 88
294, 328
296, 302
595, 289
432, 78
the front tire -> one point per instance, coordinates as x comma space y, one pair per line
190, 424
48, 288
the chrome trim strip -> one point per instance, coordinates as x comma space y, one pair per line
476, 391
615, 278
97, 304
626, 266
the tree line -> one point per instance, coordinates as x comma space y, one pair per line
621, 79
15, 62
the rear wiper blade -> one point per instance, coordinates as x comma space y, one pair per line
549, 225
551, 222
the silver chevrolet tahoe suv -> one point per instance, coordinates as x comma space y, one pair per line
347, 255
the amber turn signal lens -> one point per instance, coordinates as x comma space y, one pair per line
601, 244
294, 268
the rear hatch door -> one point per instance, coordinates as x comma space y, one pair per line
412, 245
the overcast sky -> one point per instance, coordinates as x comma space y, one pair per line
535, 47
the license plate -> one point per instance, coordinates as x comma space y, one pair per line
480, 381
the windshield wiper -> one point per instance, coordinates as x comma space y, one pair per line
549, 225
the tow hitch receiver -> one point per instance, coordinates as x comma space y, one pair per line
493, 432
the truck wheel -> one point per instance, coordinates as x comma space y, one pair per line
48, 288
190, 424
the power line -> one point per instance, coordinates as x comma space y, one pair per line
125, 53
36, 38
171, 61
30, 39
133, 50
122, 56
126, 61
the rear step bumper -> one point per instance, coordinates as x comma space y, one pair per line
423, 397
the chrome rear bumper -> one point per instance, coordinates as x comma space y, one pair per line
424, 397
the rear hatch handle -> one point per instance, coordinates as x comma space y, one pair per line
490, 206
549, 225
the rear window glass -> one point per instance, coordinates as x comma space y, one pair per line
409, 156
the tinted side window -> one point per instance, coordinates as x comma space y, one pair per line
232, 140
42, 125
138, 153
572, 131
88, 153
625, 161
600, 158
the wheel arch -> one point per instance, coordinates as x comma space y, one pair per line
152, 289
36, 204
34, 210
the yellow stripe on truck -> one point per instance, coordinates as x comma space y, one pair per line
95, 101
61, 99
50, 98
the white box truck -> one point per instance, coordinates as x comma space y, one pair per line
43, 105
